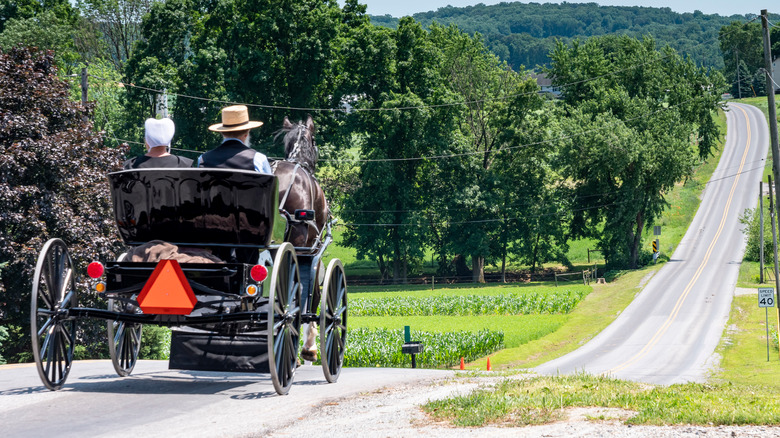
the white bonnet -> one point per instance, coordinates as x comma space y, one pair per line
159, 132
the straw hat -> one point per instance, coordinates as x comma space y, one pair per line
235, 118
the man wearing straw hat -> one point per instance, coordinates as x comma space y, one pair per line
234, 152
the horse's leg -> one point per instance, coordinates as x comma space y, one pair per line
309, 351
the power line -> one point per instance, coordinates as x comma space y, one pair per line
537, 216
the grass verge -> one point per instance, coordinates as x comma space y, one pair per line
538, 400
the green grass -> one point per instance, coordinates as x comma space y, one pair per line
520, 402
744, 346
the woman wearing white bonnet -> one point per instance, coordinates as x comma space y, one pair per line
157, 136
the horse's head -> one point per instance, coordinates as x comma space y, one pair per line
299, 144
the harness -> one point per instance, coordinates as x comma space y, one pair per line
283, 202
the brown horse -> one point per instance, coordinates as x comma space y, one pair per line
298, 189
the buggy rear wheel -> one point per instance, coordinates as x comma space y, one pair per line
333, 320
124, 339
284, 318
52, 329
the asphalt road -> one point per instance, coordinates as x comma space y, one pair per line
157, 402
669, 333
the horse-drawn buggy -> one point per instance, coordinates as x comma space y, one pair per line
236, 299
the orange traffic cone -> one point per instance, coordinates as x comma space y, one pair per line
489, 368
462, 365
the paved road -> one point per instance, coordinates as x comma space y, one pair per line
157, 402
668, 334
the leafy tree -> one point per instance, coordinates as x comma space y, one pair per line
52, 170
627, 134
26, 9
394, 185
271, 53
119, 22
46, 31
493, 173
743, 54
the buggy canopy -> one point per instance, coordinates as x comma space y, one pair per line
197, 207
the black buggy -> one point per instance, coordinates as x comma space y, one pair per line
243, 314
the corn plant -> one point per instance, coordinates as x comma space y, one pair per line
509, 304
382, 347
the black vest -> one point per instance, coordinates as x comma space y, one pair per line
231, 154
146, 162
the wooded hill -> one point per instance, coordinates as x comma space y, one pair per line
523, 34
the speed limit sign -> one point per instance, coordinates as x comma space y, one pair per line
766, 297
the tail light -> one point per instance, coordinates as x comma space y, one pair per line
95, 270
258, 273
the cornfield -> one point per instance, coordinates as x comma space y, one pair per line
509, 304
382, 347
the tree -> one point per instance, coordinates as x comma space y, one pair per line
743, 55
495, 118
119, 21
631, 112
46, 31
394, 184
52, 170
269, 53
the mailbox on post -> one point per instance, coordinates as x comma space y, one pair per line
409, 347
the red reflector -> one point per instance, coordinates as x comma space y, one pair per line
95, 270
258, 273
167, 291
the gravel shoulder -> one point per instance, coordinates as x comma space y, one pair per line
395, 412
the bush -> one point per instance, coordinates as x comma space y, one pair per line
155, 343
52, 184
3, 337
752, 221
382, 347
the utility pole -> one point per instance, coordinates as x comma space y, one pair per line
739, 81
761, 229
770, 95
84, 85
773, 218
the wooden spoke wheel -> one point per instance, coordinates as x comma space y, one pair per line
284, 318
53, 330
124, 339
333, 320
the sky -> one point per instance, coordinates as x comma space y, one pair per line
399, 8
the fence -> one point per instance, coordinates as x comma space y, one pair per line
587, 275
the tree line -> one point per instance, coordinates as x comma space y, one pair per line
524, 34
456, 151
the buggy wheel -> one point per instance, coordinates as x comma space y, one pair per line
53, 330
333, 320
284, 318
124, 339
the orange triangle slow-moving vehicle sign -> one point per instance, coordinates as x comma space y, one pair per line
167, 291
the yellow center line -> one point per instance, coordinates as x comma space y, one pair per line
673, 315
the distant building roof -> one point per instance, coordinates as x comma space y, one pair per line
542, 79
